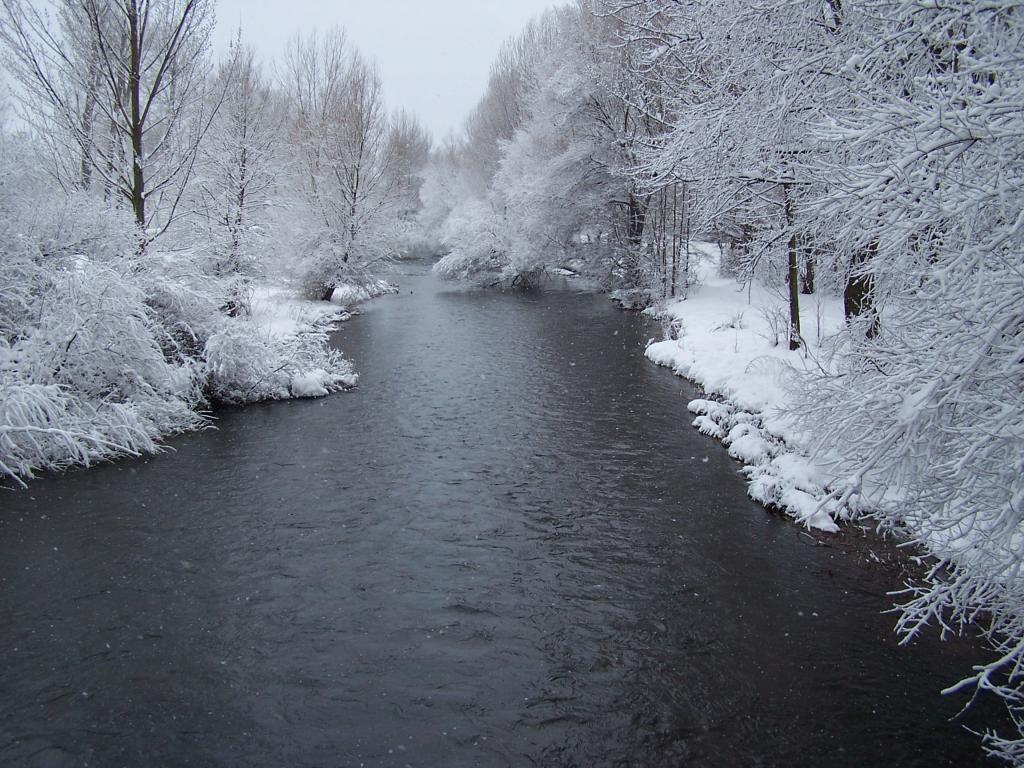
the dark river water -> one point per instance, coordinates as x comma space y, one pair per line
506, 548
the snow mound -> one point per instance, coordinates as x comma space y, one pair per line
749, 447
310, 384
708, 426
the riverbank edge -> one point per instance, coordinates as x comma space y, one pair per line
285, 321
727, 339
286, 316
782, 477
776, 472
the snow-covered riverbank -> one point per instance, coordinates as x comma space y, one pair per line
119, 394
299, 328
730, 339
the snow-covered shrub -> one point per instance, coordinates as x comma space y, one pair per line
244, 365
325, 261
933, 409
479, 244
83, 369
107, 345
51, 427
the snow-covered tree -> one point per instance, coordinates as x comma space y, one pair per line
119, 85
930, 405
239, 166
353, 166
409, 145
546, 156
743, 86
116, 302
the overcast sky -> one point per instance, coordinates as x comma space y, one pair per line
434, 55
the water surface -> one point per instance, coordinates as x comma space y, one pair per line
506, 548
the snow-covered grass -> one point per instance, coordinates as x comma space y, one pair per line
732, 341
279, 351
295, 330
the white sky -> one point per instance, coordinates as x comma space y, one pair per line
434, 55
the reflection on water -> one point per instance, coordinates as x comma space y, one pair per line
506, 548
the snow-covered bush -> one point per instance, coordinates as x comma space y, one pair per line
84, 372
246, 366
50, 427
107, 346
932, 410
479, 244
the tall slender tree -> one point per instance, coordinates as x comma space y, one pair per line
122, 81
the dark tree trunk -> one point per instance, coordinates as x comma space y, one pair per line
636, 213
794, 275
807, 277
794, 293
138, 191
858, 295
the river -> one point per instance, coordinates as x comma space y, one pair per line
507, 547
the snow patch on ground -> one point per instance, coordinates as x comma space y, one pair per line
282, 312
348, 296
731, 340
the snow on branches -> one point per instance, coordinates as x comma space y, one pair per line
883, 139
931, 405
140, 208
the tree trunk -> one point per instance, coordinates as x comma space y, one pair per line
794, 275
807, 277
636, 220
138, 190
858, 296
85, 144
794, 293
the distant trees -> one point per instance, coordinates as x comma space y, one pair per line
355, 165
478, 226
558, 122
